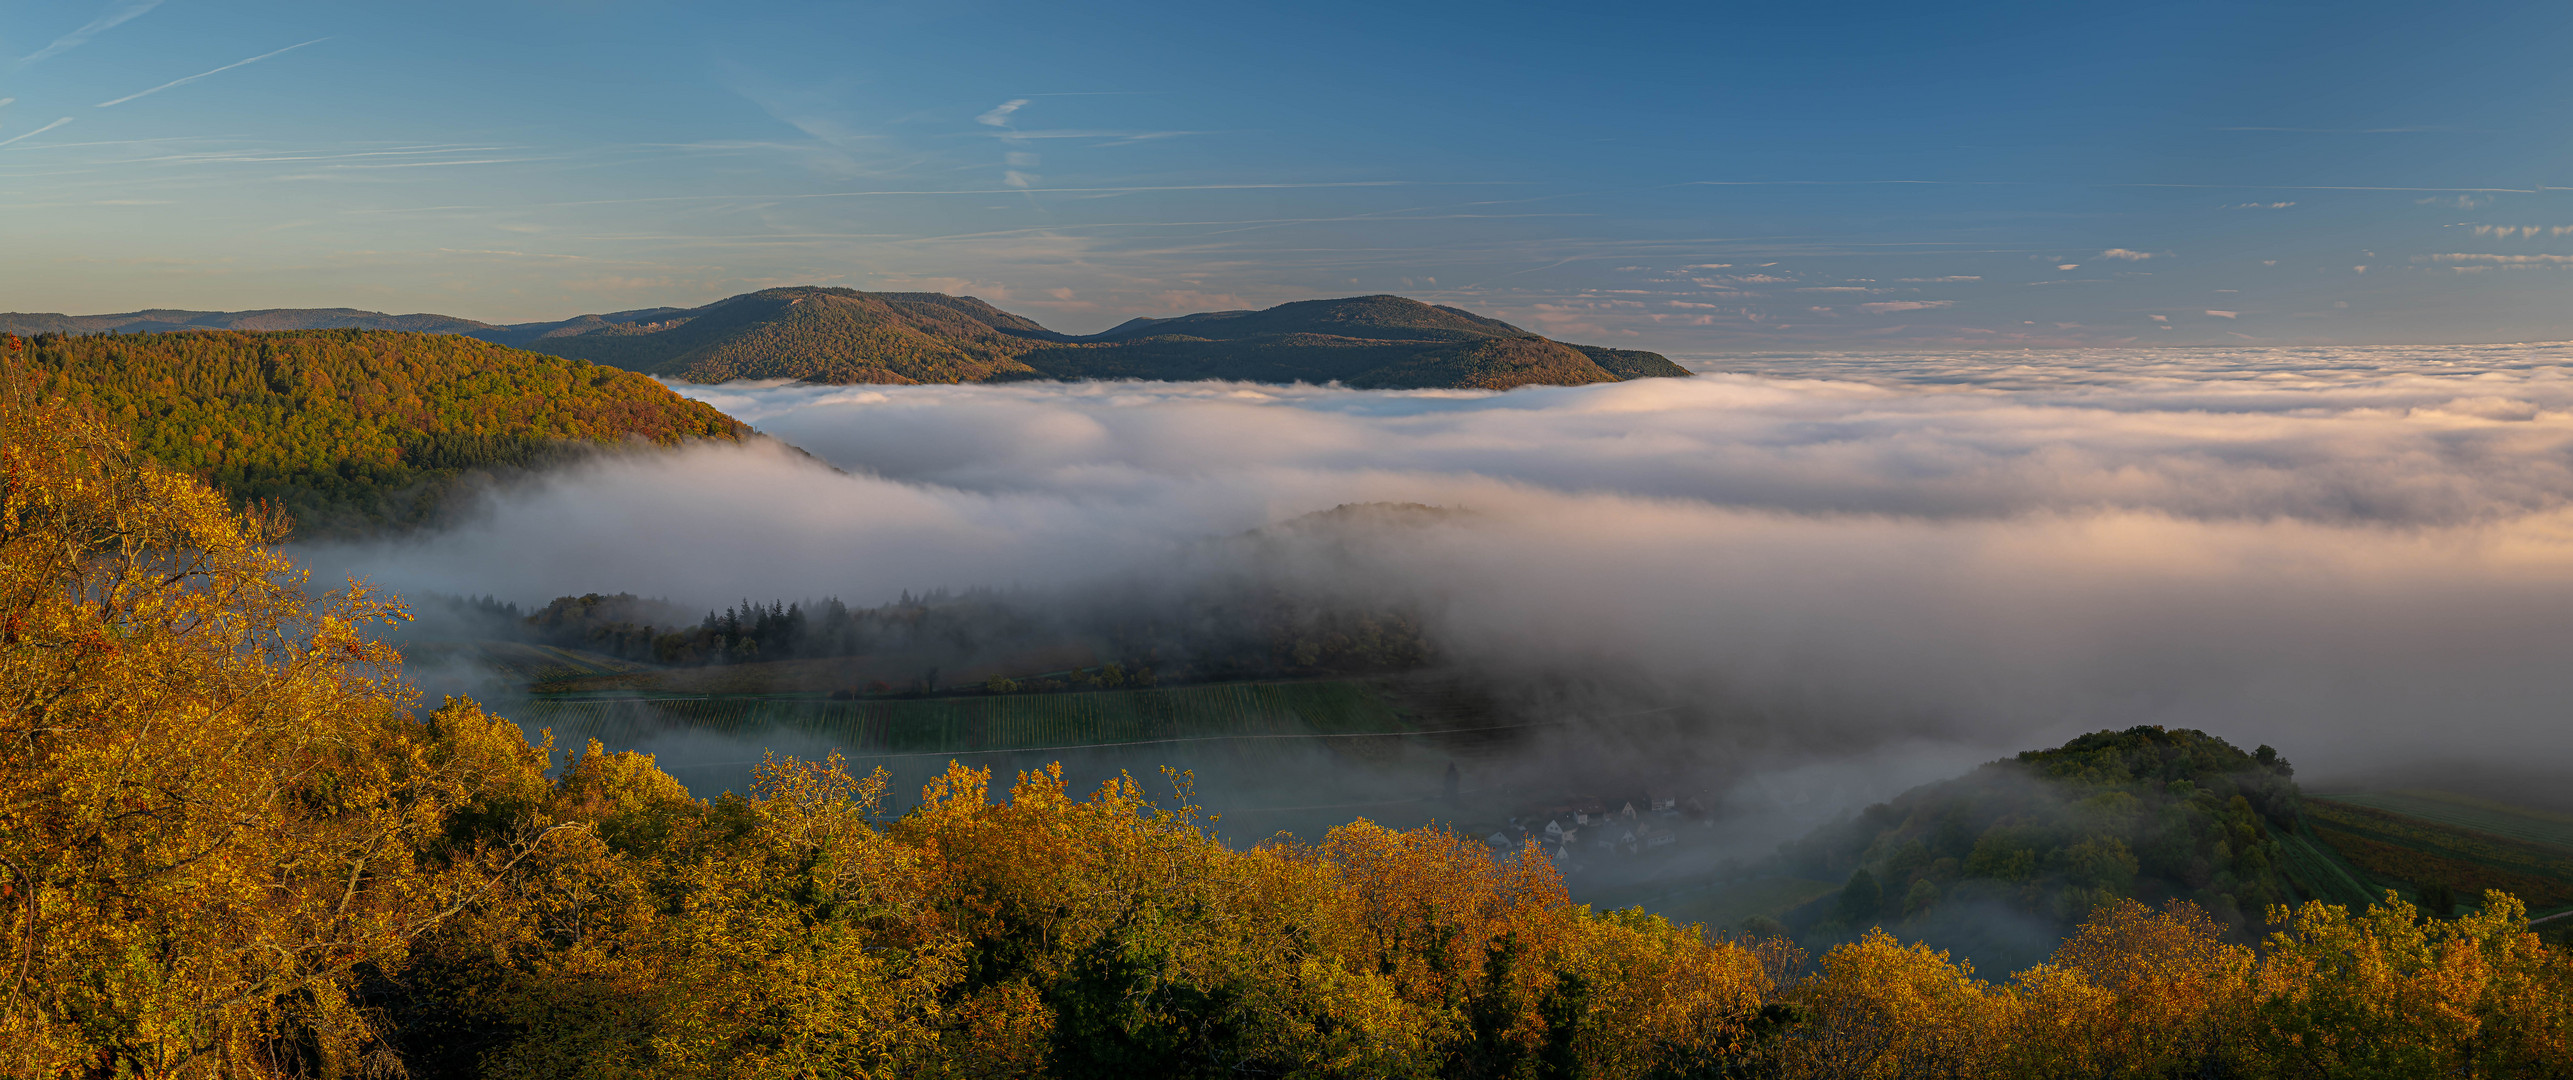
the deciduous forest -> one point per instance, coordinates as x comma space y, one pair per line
232, 846
350, 430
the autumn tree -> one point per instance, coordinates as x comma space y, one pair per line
216, 816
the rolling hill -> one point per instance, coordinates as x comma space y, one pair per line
834, 335
350, 430
162, 320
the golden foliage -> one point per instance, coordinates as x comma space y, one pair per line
213, 812
229, 849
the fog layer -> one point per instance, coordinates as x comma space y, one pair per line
2356, 555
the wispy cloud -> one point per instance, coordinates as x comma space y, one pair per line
1121, 137
2127, 255
2505, 232
2344, 131
2224, 314
203, 74
999, 116
38, 131
2465, 258
1887, 307
95, 27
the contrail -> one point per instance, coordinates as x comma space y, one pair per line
203, 74
97, 26
38, 131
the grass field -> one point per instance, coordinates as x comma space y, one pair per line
956, 725
2468, 812
2399, 847
2320, 872
522, 663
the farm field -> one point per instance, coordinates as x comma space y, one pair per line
522, 663
2468, 812
2412, 851
2321, 872
977, 724
1286, 756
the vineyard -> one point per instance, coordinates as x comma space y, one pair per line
2321, 872
2421, 852
2467, 812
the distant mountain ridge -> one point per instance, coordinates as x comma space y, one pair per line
837, 335
162, 320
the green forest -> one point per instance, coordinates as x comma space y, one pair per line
350, 430
232, 844
2149, 813
835, 335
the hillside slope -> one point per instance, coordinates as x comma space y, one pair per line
348, 430
2147, 813
834, 335
846, 336
816, 334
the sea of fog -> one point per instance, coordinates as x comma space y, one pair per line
1883, 567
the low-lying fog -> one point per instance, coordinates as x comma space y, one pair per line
1880, 569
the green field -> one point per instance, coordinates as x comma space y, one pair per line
966, 725
1293, 756
2467, 812
2321, 873
2402, 849
520, 662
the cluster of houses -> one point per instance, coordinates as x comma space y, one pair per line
1583, 830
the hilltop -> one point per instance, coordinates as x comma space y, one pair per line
815, 334
2148, 813
348, 430
835, 335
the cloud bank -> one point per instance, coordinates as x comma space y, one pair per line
2356, 555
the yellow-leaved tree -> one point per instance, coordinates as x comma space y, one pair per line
216, 816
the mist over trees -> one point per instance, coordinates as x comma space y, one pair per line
2154, 814
1221, 631
232, 847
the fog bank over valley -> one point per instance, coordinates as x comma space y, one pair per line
1847, 582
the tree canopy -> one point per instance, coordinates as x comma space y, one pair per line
346, 430
229, 847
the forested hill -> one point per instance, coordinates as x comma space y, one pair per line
834, 335
846, 336
348, 430
2148, 813
817, 334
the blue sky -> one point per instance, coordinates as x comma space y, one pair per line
1696, 178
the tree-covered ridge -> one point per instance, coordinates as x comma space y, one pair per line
817, 334
346, 429
1378, 318
846, 336
2149, 813
230, 849
837, 335
155, 320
